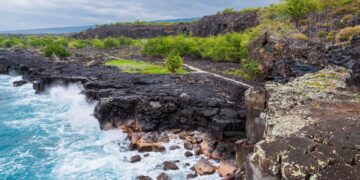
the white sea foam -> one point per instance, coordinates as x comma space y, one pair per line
76, 148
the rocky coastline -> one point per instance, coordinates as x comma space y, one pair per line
146, 106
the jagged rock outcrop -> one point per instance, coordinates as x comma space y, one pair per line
312, 130
283, 59
224, 23
207, 26
156, 102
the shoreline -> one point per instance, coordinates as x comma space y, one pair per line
96, 91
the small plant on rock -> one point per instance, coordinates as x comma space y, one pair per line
346, 34
173, 62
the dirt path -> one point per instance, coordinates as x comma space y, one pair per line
197, 70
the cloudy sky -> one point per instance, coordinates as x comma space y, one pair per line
30, 14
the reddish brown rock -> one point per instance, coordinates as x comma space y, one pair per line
227, 169
204, 167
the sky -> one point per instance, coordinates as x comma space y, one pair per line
33, 14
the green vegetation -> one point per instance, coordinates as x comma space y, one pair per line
299, 9
227, 47
125, 41
12, 42
250, 70
233, 11
346, 34
173, 62
110, 43
300, 36
322, 34
132, 66
78, 44
56, 48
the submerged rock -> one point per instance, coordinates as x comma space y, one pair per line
191, 176
174, 147
144, 178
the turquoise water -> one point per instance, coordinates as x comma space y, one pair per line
55, 136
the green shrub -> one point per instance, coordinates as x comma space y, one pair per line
229, 10
36, 41
125, 41
78, 44
12, 42
61, 40
249, 71
346, 34
57, 49
97, 43
299, 9
322, 34
159, 46
110, 43
250, 66
331, 4
300, 36
227, 47
173, 62
348, 17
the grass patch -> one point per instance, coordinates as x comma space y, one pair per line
141, 67
346, 34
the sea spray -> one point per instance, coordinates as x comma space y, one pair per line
55, 136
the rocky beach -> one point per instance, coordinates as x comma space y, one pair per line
290, 110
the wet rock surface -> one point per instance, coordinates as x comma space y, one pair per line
163, 176
143, 178
155, 101
169, 165
19, 83
135, 159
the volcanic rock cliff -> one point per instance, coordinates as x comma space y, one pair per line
206, 26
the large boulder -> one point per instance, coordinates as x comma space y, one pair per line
227, 169
204, 167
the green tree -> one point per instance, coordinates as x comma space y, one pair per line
173, 62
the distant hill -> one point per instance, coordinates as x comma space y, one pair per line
178, 20
56, 30
75, 29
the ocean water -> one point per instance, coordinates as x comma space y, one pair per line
55, 136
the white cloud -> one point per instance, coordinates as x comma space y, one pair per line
19, 14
